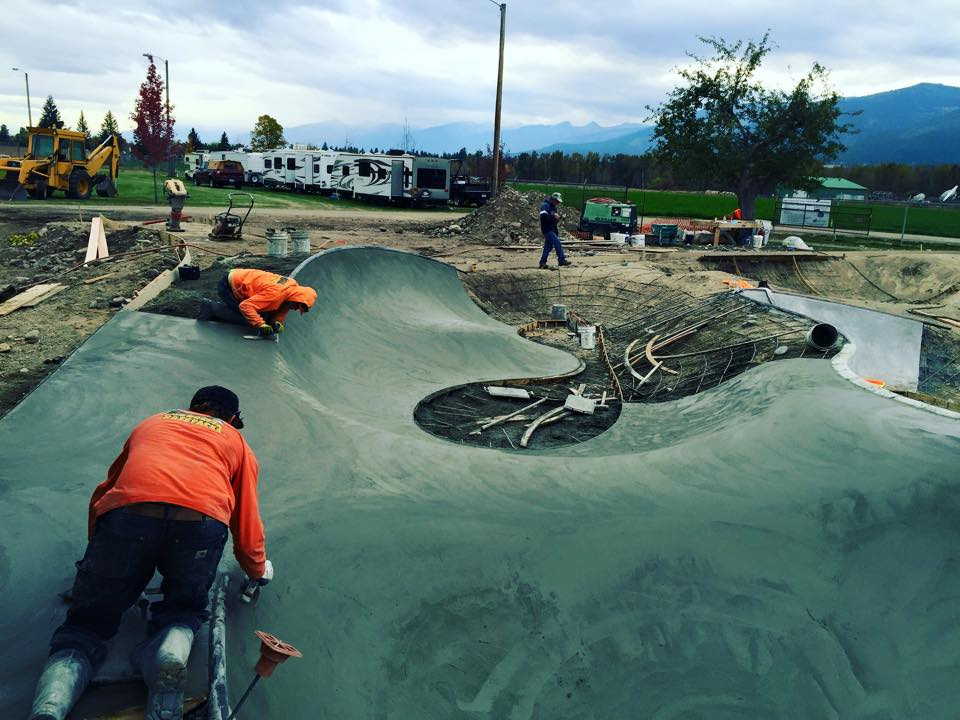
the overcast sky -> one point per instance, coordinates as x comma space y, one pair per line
368, 62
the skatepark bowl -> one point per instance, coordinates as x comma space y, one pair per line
771, 541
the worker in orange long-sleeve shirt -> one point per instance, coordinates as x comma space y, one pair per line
182, 479
258, 298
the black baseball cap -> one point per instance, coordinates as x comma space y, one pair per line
226, 400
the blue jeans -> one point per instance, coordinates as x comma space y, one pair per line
121, 559
551, 242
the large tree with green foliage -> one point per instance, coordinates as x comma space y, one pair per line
224, 143
4, 134
724, 129
50, 116
267, 134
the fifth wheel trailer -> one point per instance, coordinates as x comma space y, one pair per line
392, 177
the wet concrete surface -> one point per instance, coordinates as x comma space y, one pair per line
780, 546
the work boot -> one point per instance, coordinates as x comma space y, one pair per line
544, 266
64, 678
208, 309
163, 662
564, 263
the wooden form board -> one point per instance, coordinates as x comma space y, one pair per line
30, 297
97, 244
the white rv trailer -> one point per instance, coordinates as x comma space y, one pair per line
395, 177
280, 168
315, 170
304, 170
193, 161
253, 168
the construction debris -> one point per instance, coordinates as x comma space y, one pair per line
511, 217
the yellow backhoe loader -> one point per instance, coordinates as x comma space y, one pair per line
58, 160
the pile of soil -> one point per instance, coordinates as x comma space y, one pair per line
182, 298
35, 340
510, 218
57, 248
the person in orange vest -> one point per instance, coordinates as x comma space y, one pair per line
182, 479
259, 299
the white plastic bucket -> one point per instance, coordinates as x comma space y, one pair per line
588, 336
300, 240
637, 240
618, 238
277, 242
757, 242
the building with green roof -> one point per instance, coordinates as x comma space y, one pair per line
832, 188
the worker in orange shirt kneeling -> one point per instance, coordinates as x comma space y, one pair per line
182, 479
259, 299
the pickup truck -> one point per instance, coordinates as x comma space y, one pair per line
217, 173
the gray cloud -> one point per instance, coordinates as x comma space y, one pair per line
364, 62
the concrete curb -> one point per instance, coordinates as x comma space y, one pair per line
840, 363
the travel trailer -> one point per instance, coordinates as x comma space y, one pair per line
392, 177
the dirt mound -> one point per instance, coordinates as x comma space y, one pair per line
510, 218
59, 246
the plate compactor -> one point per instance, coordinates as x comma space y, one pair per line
229, 225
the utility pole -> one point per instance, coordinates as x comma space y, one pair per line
496, 119
26, 79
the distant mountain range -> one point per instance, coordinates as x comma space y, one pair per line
918, 124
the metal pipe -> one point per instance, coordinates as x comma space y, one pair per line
243, 698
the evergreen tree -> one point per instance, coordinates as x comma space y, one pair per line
224, 143
84, 128
194, 143
50, 117
324, 146
4, 134
108, 127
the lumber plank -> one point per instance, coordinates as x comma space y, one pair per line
98, 278
49, 294
18, 301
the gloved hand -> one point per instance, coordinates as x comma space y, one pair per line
267, 574
266, 330
278, 327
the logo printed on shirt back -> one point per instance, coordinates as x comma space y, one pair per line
211, 423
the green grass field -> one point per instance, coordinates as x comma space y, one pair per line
921, 220
135, 187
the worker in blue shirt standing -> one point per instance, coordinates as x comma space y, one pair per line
548, 226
